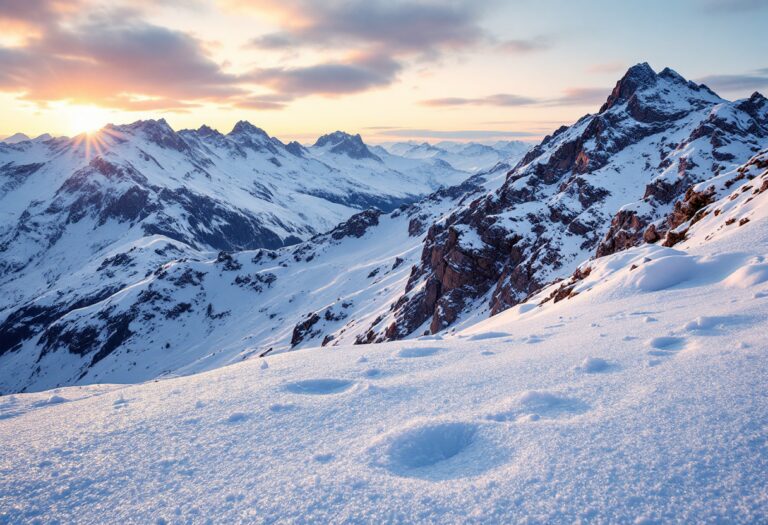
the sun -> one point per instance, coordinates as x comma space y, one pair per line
87, 119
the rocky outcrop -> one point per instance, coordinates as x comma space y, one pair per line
357, 225
345, 144
551, 210
303, 329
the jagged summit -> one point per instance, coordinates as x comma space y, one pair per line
245, 127
337, 137
340, 142
148, 125
207, 131
665, 89
637, 77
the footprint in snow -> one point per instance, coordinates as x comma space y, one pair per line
534, 405
418, 352
373, 373
236, 417
319, 386
437, 451
666, 346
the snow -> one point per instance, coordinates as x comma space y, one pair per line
471, 157
605, 419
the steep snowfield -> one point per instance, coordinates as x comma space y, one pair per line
639, 400
593, 188
204, 310
67, 202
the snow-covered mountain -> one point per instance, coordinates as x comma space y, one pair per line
636, 397
467, 156
160, 303
21, 137
69, 202
203, 310
588, 189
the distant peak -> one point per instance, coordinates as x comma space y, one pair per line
642, 73
206, 130
243, 127
337, 137
637, 77
673, 75
295, 148
149, 125
344, 143
756, 106
156, 131
16, 138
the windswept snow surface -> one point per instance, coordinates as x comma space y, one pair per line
640, 400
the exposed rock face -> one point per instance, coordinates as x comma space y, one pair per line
357, 225
345, 144
304, 328
719, 141
559, 204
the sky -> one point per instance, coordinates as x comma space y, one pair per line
390, 70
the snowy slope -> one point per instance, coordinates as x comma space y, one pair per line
83, 218
126, 320
589, 189
613, 180
67, 202
641, 400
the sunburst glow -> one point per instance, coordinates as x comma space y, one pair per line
87, 119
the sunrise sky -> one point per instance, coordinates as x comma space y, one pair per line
390, 70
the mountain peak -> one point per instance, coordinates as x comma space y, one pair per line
337, 137
207, 131
243, 127
341, 142
673, 75
16, 138
157, 131
637, 77
151, 126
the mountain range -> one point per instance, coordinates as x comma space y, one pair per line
142, 252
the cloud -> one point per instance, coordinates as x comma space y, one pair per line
358, 74
396, 27
386, 34
580, 96
263, 102
571, 97
747, 82
467, 134
500, 99
114, 59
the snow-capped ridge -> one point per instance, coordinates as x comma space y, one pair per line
340, 142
